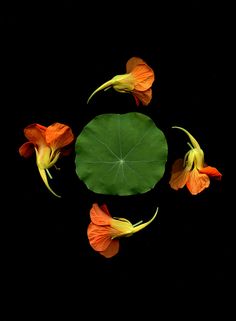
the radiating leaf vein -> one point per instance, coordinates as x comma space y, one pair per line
138, 143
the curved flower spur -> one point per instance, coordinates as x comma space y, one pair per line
137, 80
104, 230
49, 144
192, 171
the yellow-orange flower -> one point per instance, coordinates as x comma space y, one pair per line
104, 231
49, 143
192, 170
137, 80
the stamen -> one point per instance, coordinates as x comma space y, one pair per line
188, 143
49, 174
138, 223
107, 88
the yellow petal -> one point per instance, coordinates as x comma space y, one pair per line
121, 83
45, 179
43, 156
124, 83
122, 226
192, 139
104, 86
141, 226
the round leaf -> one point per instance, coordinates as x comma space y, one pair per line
121, 154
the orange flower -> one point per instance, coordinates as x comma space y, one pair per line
104, 231
138, 81
192, 171
49, 144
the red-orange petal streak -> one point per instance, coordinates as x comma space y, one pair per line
211, 171
105, 209
137, 101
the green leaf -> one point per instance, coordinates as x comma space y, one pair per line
121, 154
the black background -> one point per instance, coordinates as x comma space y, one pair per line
54, 58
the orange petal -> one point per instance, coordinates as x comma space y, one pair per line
179, 175
59, 135
112, 249
98, 216
211, 171
143, 96
99, 236
66, 150
197, 182
27, 149
144, 77
105, 209
137, 101
35, 133
132, 63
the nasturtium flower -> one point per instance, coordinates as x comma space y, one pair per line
192, 170
137, 80
104, 230
49, 143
